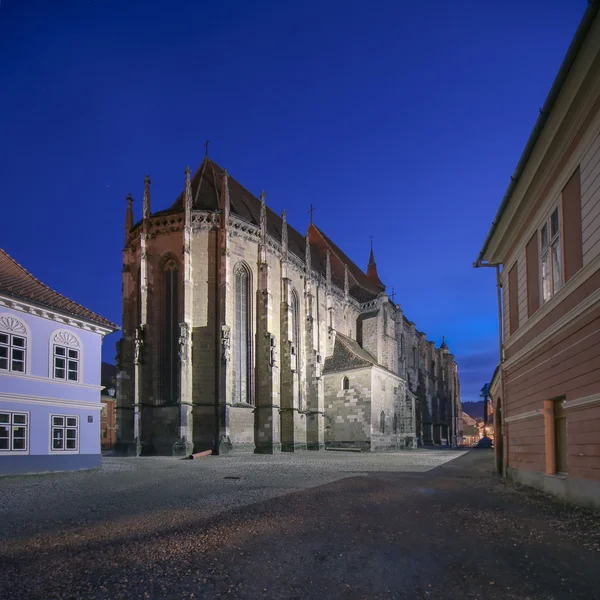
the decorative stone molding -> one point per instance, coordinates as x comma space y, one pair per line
12, 325
138, 345
272, 349
65, 338
526, 415
225, 343
585, 402
184, 342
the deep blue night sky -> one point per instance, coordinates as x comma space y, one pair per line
399, 120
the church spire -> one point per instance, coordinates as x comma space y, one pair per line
128, 216
146, 213
372, 266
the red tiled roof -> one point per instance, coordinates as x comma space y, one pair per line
17, 282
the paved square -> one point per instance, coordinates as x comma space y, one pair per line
130, 486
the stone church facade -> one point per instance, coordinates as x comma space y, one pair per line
240, 333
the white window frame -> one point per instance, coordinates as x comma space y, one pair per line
545, 253
62, 342
64, 426
12, 426
13, 327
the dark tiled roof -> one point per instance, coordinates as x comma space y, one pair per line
206, 191
17, 282
347, 354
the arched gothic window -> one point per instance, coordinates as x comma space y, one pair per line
382, 422
13, 344
295, 310
395, 423
345, 383
242, 347
170, 331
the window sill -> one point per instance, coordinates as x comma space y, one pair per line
242, 405
59, 452
14, 452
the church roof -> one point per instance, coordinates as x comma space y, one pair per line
361, 287
17, 282
206, 193
347, 354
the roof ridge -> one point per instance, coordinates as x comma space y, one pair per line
53, 291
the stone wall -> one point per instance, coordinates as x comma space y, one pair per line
348, 412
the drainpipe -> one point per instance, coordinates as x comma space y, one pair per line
501, 371
500, 349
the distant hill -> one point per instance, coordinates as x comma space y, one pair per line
473, 409
108, 375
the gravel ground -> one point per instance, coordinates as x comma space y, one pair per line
406, 525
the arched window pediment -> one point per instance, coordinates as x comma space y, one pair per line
14, 343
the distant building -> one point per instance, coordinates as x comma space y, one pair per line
108, 416
108, 419
546, 238
49, 376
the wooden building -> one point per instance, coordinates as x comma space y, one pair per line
545, 245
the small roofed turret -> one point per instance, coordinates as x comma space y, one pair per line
372, 269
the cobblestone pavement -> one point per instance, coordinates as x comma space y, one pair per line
311, 525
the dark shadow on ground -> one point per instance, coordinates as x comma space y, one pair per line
458, 531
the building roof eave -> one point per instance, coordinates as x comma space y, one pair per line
483, 259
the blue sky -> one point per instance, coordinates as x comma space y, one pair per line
397, 120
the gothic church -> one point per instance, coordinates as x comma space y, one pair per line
241, 334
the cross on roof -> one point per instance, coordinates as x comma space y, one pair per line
393, 295
206, 148
312, 209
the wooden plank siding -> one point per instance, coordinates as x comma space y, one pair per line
577, 296
505, 304
526, 444
522, 287
513, 298
590, 200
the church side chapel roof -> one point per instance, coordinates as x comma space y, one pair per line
206, 193
19, 283
348, 354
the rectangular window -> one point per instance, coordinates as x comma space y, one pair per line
14, 432
550, 256
66, 363
64, 432
13, 350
